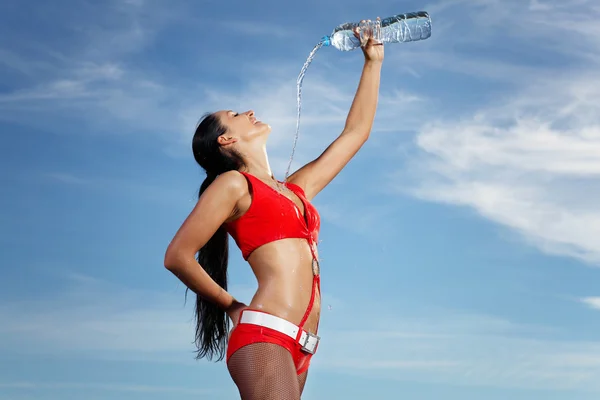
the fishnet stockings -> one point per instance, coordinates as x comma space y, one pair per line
266, 371
302, 381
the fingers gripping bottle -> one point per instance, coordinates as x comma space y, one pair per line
400, 28
407, 27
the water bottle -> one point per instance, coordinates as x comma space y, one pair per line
407, 27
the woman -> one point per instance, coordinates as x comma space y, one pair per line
270, 346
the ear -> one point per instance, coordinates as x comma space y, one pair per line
224, 140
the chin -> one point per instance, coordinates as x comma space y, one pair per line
265, 129
260, 133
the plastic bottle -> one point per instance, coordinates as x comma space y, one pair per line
407, 27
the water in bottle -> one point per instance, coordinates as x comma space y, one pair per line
400, 28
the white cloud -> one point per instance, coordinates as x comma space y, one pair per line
94, 84
77, 321
460, 350
530, 162
87, 83
592, 302
363, 220
78, 84
253, 28
91, 317
95, 319
173, 196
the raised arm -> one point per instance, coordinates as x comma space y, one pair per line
216, 205
315, 175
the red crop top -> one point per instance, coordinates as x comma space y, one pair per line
272, 216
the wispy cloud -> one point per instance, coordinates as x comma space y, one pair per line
469, 350
530, 160
94, 84
94, 318
80, 84
76, 321
254, 28
97, 319
592, 302
362, 220
107, 387
123, 187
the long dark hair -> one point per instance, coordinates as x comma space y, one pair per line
212, 324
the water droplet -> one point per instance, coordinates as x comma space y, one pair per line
329, 307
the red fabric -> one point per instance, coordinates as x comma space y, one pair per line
246, 334
272, 216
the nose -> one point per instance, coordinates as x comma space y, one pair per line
250, 113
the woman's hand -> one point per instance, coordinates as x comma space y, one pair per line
372, 49
234, 311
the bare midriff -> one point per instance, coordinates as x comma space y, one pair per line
284, 271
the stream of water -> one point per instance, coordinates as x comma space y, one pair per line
310, 58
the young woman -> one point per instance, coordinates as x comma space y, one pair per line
269, 348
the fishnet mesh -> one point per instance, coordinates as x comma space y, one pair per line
265, 371
302, 381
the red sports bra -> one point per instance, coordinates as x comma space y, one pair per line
272, 216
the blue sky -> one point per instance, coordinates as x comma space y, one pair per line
460, 248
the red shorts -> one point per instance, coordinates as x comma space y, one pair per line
244, 334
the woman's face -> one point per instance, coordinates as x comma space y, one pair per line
244, 127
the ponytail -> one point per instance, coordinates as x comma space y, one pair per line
212, 324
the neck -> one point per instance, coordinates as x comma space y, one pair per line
258, 165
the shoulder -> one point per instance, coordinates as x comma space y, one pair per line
231, 183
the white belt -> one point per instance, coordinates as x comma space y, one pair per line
307, 340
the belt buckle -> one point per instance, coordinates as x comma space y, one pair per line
305, 342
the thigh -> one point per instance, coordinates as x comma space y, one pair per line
302, 381
264, 371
